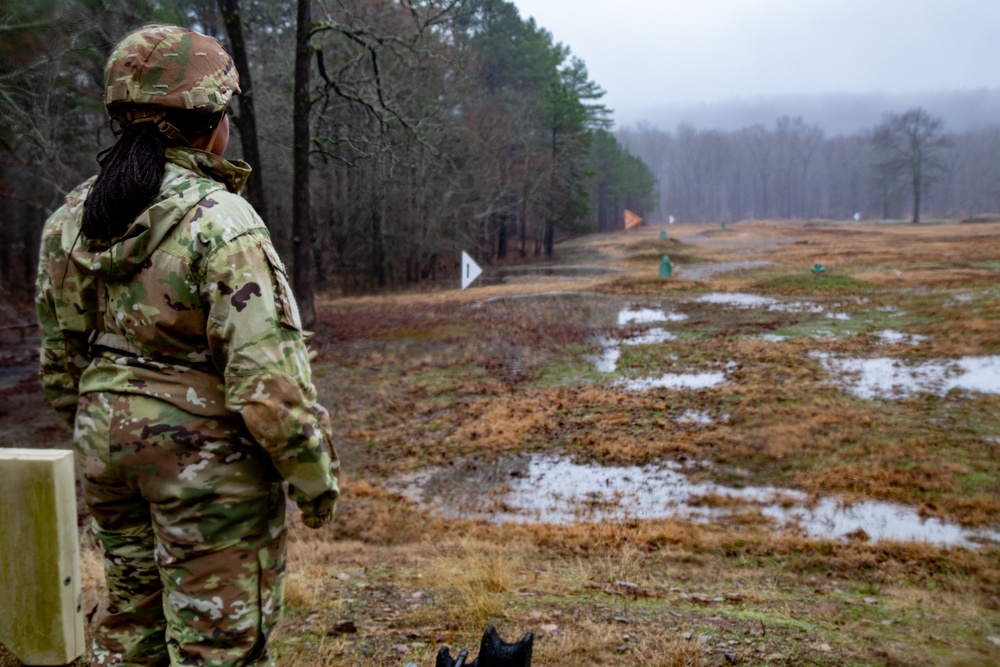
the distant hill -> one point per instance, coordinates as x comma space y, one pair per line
837, 114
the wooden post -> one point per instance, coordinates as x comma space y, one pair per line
41, 619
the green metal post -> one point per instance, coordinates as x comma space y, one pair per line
666, 268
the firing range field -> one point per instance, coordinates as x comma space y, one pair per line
745, 463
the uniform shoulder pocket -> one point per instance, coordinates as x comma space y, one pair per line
290, 318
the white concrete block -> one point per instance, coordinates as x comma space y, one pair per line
41, 620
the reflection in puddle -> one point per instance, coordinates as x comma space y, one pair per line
647, 316
607, 360
879, 520
511, 275
960, 300
654, 336
531, 297
11, 376
891, 337
674, 381
742, 300
737, 300
640, 316
551, 489
798, 307
706, 271
514, 271
872, 378
696, 417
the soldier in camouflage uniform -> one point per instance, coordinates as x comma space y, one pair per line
172, 343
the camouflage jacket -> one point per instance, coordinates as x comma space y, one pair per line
191, 306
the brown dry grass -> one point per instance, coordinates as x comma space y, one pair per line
428, 378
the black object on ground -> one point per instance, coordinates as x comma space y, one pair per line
493, 652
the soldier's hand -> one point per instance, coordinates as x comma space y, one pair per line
319, 511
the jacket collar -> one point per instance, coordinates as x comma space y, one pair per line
233, 174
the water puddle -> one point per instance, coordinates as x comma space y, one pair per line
696, 417
706, 271
740, 239
633, 316
551, 489
890, 337
880, 377
522, 274
653, 336
743, 300
607, 361
960, 300
798, 307
12, 376
674, 381
554, 294
647, 316
737, 300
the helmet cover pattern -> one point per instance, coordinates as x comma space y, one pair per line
167, 68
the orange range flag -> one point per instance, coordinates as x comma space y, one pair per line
631, 220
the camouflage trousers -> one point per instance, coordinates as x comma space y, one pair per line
190, 513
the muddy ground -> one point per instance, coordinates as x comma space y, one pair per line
749, 462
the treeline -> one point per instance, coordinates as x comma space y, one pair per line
906, 167
433, 126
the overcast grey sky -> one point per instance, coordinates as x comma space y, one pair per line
648, 53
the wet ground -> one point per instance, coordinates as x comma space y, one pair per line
861, 348
550, 489
749, 456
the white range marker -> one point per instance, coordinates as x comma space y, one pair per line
470, 270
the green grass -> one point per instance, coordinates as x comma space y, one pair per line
861, 321
672, 356
444, 332
876, 222
979, 482
991, 265
573, 365
807, 283
770, 618
437, 381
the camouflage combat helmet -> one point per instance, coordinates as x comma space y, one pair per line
167, 68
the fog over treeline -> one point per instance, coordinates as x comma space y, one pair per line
824, 157
430, 128
841, 113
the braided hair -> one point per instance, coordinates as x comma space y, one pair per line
132, 173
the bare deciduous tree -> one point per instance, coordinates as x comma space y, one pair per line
303, 269
246, 120
912, 147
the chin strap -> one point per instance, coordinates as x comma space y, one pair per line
159, 118
215, 132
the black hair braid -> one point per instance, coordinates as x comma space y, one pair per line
130, 178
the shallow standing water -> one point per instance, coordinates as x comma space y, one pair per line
553, 489
880, 377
